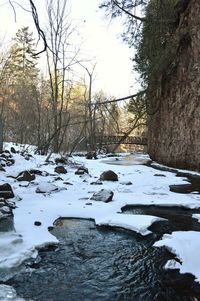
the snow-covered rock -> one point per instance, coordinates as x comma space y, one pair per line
25, 176
46, 188
6, 191
8, 293
103, 195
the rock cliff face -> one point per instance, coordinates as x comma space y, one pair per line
174, 130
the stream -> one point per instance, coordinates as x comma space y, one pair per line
93, 263
133, 159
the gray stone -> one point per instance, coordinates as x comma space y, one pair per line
38, 172
98, 182
126, 183
81, 171
6, 216
1, 168
103, 195
46, 188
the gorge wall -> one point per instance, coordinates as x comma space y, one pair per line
174, 129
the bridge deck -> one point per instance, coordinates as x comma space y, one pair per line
120, 139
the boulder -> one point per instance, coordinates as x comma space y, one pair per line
6, 216
10, 161
103, 195
46, 188
6, 159
126, 183
60, 169
5, 209
81, 171
39, 172
91, 155
28, 157
12, 149
3, 162
98, 182
6, 154
109, 175
61, 160
25, 176
195, 181
182, 188
1, 168
6, 191
58, 179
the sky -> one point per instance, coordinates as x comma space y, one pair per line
99, 36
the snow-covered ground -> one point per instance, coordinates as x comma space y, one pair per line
74, 201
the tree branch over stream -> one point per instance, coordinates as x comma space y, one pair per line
121, 99
128, 13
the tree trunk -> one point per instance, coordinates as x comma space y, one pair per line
1, 135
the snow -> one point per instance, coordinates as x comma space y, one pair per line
14, 249
46, 188
137, 223
186, 245
75, 201
8, 293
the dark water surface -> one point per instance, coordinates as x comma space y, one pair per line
178, 218
94, 263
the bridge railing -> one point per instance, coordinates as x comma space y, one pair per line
120, 139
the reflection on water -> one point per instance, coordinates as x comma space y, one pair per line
96, 264
134, 159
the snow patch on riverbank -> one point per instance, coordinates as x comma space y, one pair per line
137, 223
185, 245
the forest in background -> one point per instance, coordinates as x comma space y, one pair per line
56, 110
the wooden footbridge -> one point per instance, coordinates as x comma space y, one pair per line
121, 139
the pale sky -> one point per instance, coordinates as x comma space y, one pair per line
100, 37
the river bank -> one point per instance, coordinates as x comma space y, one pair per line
72, 198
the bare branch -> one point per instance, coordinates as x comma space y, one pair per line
10, 2
15, 2
37, 25
128, 13
120, 99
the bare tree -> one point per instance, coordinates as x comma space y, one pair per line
90, 109
61, 56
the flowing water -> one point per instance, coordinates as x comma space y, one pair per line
105, 264
94, 263
134, 159
177, 218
